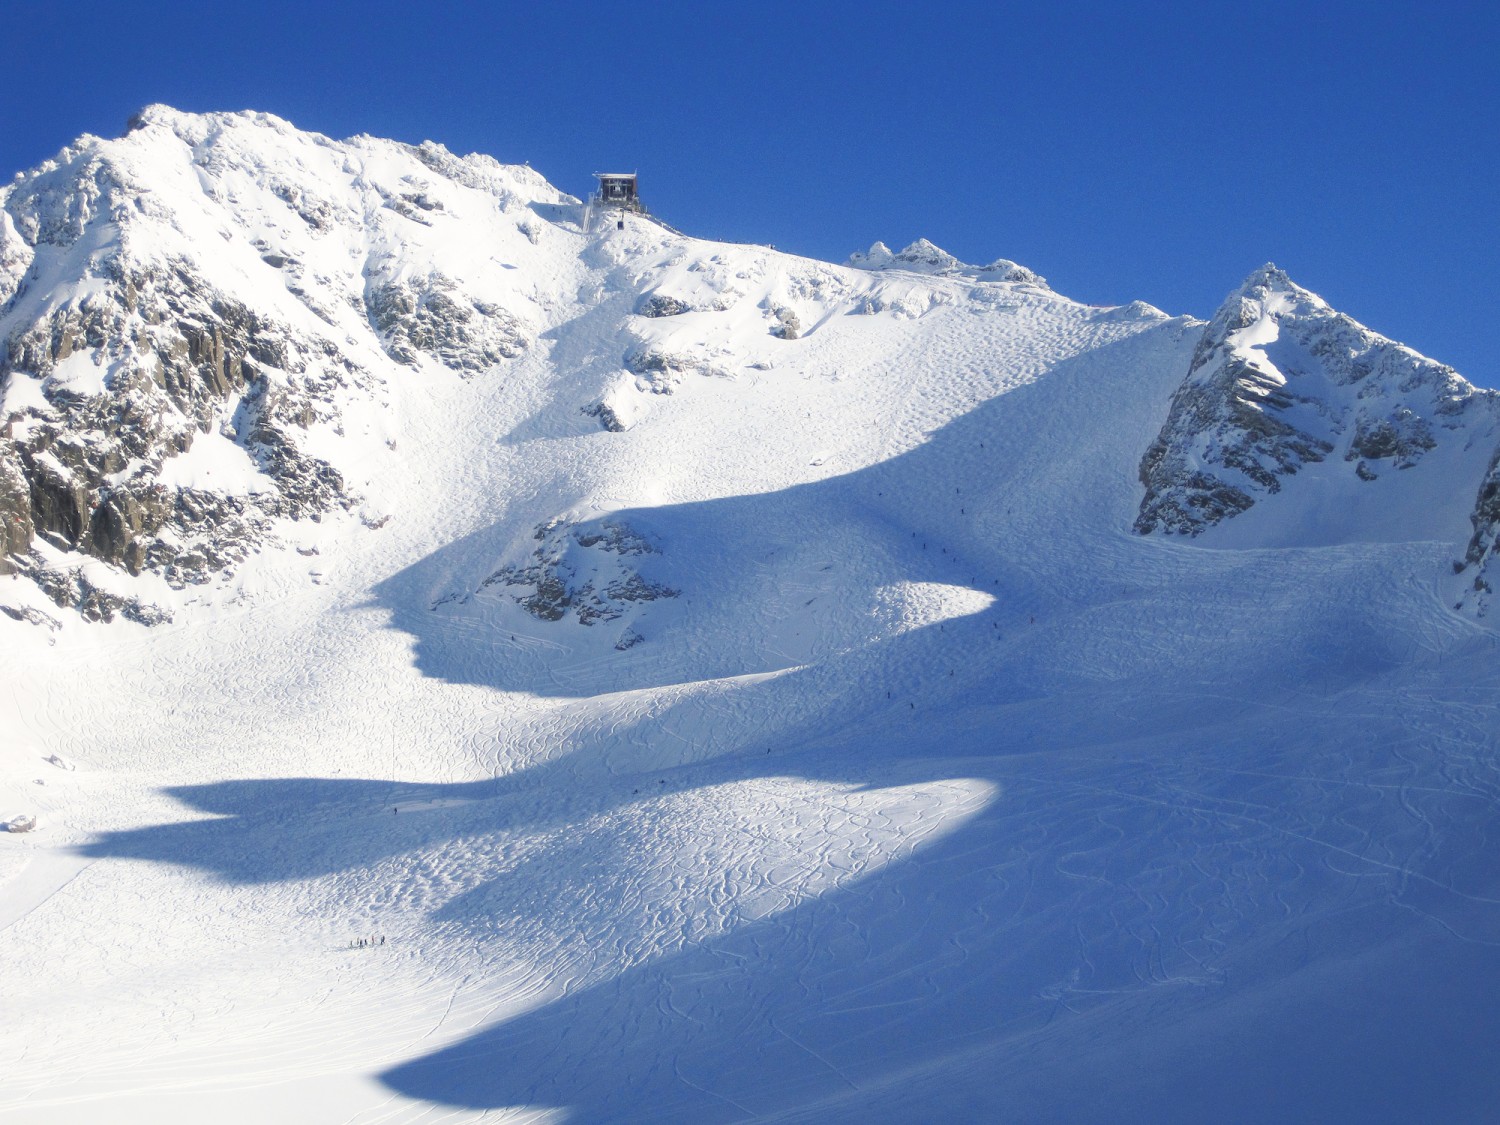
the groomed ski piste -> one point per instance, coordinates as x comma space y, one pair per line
699, 721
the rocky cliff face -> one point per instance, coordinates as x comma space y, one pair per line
1281, 382
197, 318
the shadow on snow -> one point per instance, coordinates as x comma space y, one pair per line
1181, 902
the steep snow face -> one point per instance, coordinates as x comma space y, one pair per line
1361, 437
202, 322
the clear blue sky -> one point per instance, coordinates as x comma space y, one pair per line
1154, 151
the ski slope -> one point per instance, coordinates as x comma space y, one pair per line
920, 787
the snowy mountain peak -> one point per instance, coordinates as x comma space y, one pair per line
1266, 292
1279, 383
921, 256
207, 327
877, 257
1271, 278
196, 128
199, 322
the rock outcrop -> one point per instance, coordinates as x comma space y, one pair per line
1480, 566
588, 570
113, 385
437, 318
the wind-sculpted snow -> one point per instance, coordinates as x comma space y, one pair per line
733, 690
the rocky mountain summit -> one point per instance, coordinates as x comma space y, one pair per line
1286, 394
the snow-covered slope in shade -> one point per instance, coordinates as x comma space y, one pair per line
744, 698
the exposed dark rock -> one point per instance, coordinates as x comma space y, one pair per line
663, 371
318, 214
70, 589
422, 201
787, 326
1197, 501
659, 304
1257, 407
1484, 546
1401, 439
138, 349
32, 616
59, 500
438, 319
1233, 413
608, 419
16, 527
580, 569
613, 537
182, 360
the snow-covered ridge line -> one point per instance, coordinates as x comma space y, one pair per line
205, 322
924, 257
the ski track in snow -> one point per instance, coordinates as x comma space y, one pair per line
934, 792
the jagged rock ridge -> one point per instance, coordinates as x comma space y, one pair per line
1279, 382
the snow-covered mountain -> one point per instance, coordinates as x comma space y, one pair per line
1368, 439
725, 685
200, 322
